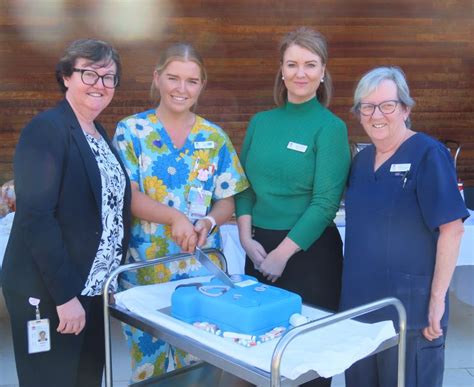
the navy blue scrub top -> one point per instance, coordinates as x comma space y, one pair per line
392, 220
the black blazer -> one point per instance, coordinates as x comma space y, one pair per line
57, 225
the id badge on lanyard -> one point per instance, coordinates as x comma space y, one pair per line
199, 198
38, 333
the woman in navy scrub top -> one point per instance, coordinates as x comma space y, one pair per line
404, 223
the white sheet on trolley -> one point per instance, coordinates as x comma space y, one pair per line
328, 351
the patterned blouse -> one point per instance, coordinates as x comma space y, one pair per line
207, 162
109, 253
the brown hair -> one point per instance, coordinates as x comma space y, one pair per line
181, 52
96, 51
316, 43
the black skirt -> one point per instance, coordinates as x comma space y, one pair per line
314, 274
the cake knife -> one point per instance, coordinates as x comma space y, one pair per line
203, 258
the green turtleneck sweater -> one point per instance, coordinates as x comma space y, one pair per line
296, 186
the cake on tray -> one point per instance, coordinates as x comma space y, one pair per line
250, 308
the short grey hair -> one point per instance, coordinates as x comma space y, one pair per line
372, 79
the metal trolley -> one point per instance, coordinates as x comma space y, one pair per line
227, 363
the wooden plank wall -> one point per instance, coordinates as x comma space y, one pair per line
432, 40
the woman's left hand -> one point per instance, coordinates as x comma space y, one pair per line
72, 317
202, 228
273, 265
221, 211
447, 251
275, 262
435, 313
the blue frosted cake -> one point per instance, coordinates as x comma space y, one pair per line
251, 307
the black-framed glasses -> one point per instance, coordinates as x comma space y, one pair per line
386, 107
90, 78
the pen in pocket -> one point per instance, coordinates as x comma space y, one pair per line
404, 179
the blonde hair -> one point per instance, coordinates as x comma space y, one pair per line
181, 52
316, 43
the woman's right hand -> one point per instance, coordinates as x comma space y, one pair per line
254, 251
183, 233
146, 208
72, 317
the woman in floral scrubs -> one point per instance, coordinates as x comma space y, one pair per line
184, 173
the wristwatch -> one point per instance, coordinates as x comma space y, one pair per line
213, 223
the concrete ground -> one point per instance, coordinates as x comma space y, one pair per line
459, 370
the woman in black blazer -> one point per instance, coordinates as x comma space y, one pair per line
71, 225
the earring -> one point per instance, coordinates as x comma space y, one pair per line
283, 77
322, 80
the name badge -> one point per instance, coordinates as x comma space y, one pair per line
400, 167
244, 284
297, 147
204, 145
39, 339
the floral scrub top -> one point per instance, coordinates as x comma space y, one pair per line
206, 168
206, 163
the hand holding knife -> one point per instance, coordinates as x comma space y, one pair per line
204, 259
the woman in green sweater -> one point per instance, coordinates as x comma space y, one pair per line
297, 158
